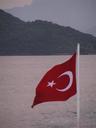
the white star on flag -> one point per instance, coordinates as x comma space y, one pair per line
51, 84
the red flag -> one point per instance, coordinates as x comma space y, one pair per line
58, 84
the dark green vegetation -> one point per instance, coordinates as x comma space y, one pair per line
40, 38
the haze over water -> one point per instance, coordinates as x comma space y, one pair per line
19, 77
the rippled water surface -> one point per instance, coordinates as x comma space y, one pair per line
19, 76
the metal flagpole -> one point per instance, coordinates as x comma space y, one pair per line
78, 87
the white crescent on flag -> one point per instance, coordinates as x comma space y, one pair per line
70, 74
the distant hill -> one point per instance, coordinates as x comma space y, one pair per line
40, 38
92, 31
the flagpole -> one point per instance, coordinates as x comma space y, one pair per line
78, 87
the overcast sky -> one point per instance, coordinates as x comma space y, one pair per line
7, 4
79, 14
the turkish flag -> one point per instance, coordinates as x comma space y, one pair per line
58, 84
